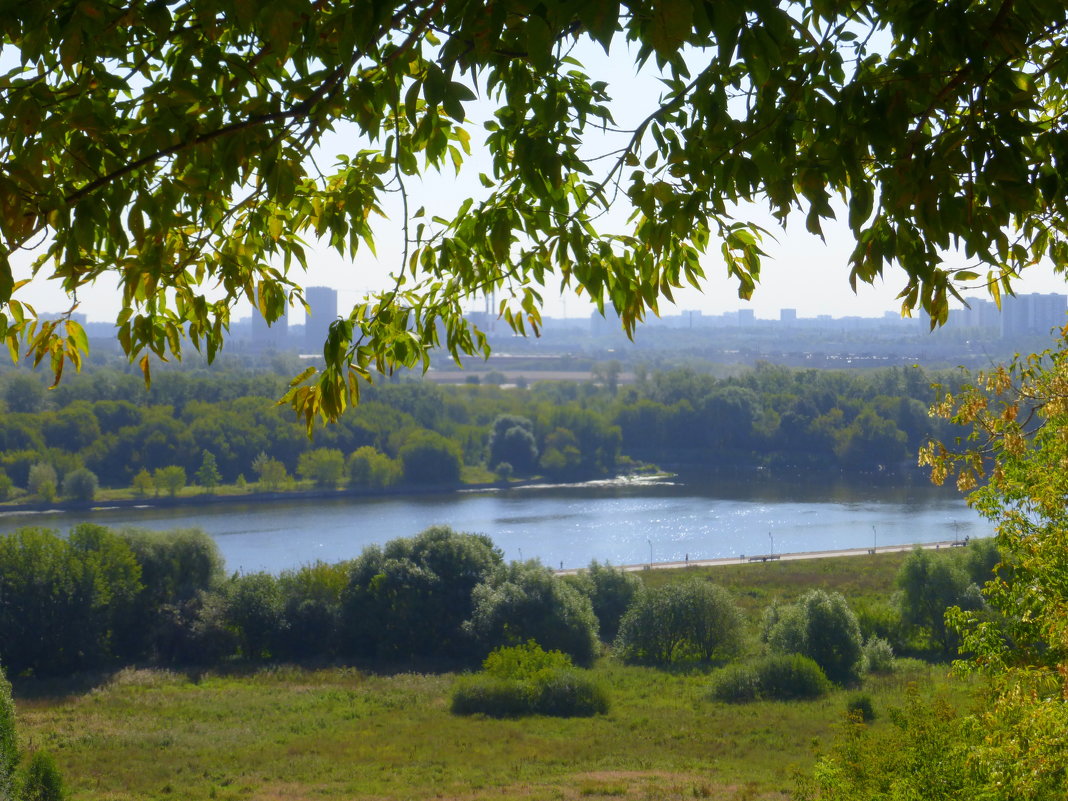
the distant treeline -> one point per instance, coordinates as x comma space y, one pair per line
222, 427
101, 598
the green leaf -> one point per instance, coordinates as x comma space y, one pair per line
539, 42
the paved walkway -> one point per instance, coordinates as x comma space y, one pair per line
783, 557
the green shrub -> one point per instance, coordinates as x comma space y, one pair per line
558, 693
791, 676
821, 626
881, 618
611, 591
689, 621
524, 662
526, 601
736, 684
9, 746
43, 781
254, 610
570, 693
773, 678
42, 481
859, 708
493, 697
878, 656
410, 598
527, 680
80, 485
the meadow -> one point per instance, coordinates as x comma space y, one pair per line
329, 731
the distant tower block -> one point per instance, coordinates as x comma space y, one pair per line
269, 337
485, 320
323, 303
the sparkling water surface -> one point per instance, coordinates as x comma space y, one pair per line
700, 517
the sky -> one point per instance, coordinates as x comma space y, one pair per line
802, 272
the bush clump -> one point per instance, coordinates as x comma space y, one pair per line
781, 677
821, 626
493, 697
860, 709
736, 684
691, 621
527, 680
878, 656
526, 601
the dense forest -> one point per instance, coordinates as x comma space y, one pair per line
217, 427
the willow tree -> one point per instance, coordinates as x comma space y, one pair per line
178, 146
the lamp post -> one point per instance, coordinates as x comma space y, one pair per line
650, 552
875, 540
772, 538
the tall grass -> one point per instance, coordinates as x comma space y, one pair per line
338, 733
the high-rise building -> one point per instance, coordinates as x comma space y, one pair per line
1034, 314
322, 300
269, 336
978, 313
607, 324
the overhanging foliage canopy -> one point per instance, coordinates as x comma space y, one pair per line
173, 144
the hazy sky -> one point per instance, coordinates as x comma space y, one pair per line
802, 272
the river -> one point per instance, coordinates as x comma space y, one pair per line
700, 517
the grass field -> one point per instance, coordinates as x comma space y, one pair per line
338, 733
755, 585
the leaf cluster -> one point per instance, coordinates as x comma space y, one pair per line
179, 149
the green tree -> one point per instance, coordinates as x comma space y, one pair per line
821, 626
43, 781
411, 597
429, 458
692, 621
254, 607
177, 565
526, 601
207, 474
142, 483
929, 141
512, 441
9, 745
930, 584
561, 457
110, 567
1012, 466
24, 392
311, 599
170, 478
367, 467
42, 481
271, 472
871, 440
324, 466
611, 592
72, 428
80, 485
64, 599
